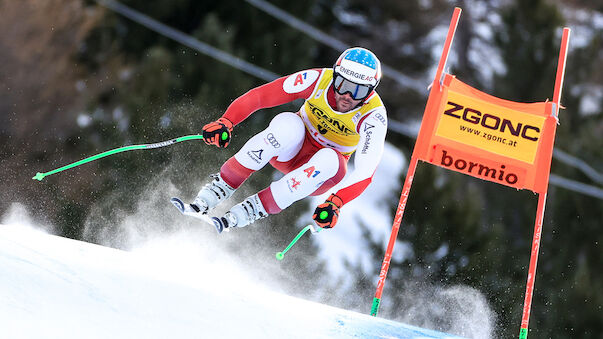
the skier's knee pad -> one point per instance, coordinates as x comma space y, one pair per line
286, 134
283, 138
323, 166
337, 169
287, 129
328, 160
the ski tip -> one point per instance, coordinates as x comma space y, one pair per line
178, 204
218, 224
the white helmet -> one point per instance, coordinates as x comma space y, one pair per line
357, 71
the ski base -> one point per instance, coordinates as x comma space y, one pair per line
189, 210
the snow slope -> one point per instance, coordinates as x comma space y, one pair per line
53, 287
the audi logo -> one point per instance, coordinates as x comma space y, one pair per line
272, 140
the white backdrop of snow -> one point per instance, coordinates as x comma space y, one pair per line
54, 287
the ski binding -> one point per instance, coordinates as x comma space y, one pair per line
192, 210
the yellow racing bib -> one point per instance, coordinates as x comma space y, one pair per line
329, 127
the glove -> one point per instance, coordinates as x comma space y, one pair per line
326, 214
217, 132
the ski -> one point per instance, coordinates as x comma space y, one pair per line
193, 211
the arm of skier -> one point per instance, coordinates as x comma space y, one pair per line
367, 157
298, 85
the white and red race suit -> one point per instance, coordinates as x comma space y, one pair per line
311, 147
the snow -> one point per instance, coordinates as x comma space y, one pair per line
53, 287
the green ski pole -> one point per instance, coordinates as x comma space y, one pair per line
39, 176
281, 255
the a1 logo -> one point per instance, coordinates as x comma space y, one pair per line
311, 172
300, 81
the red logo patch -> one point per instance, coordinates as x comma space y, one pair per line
295, 183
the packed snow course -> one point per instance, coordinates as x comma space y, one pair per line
53, 287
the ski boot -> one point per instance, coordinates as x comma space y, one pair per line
242, 214
212, 194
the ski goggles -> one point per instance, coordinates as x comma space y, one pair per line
343, 86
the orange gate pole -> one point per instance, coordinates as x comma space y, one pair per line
411, 170
523, 333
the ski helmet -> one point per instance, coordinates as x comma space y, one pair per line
357, 71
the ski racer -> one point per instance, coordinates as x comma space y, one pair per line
342, 114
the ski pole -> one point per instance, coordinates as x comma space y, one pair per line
281, 255
39, 176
